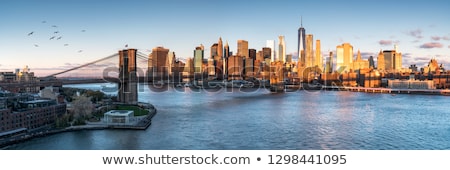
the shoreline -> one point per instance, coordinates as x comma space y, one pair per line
141, 125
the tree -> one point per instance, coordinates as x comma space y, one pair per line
82, 106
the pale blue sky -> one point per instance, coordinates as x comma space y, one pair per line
182, 25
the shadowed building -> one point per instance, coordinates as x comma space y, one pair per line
127, 75
271, 44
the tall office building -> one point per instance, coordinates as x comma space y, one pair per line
318, 58
242, 50
198, 58
329, 63
226, 50
392, 60
220, 48
371, 62
301, 43
214, 52
157, 62
344, 57
381, 64
281, 49
309, 56
127, 74
271, 44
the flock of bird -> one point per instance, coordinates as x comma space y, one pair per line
56, 35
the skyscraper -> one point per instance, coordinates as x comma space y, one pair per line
371, 62
309, 60
381, 64
226, 50
266, 52
198, 58
281, 49
318, 58
242, 50
157, 62
271, 44
344, 57
220, 48
214, 51
301, 43
329, 64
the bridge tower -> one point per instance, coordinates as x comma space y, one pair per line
128, 78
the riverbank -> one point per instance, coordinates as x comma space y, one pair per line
444, 92
142, 124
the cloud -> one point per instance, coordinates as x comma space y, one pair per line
446, 38
435, 38
367, 54
385, 42
431, 45
449, 46
416, 33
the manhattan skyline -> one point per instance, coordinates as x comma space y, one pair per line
84, 31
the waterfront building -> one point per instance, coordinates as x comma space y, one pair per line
27, 113
344, 57
318, 58
127, 75
271, 44
119, 117
309, 60
281, 49
289, 58
242, 50
411, 84
198, 58
301, 43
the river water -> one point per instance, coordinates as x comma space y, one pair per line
264, 120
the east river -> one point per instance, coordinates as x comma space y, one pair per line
264, 120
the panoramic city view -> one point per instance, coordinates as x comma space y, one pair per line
225, 75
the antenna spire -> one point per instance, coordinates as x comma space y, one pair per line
301, 21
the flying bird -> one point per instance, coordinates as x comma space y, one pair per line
51, 38
36, 45
83, 30
31, 33
59, 38
44, 22
56, 32
66, 44
80, 51
54, 26
126, 45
